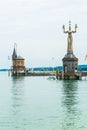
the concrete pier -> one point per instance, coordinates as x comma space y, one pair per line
60, 75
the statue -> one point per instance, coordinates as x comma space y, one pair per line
70, 38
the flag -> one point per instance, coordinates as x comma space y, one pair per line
85, 57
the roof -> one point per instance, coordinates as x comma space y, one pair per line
70, 57
14, 55
20, 58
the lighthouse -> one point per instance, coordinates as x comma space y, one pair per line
18, 63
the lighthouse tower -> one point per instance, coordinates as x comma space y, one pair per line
70, 61
18, 65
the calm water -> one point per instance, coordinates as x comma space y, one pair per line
35, 103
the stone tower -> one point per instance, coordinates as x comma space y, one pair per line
18, 66
70, 62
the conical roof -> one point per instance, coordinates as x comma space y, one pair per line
14, 55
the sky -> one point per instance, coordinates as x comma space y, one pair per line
36, 27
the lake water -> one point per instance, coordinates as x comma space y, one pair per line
36, 103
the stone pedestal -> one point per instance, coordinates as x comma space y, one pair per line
70, 67
70, 63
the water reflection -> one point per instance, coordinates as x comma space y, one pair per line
17, 102
70, 105
18, 86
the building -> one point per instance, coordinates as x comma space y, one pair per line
18, 63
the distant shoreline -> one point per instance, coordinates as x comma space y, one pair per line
80, 68
4, 70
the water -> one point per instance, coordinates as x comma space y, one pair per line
35, 103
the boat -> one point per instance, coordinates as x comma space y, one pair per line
51, 78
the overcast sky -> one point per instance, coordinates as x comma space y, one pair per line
36, 27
